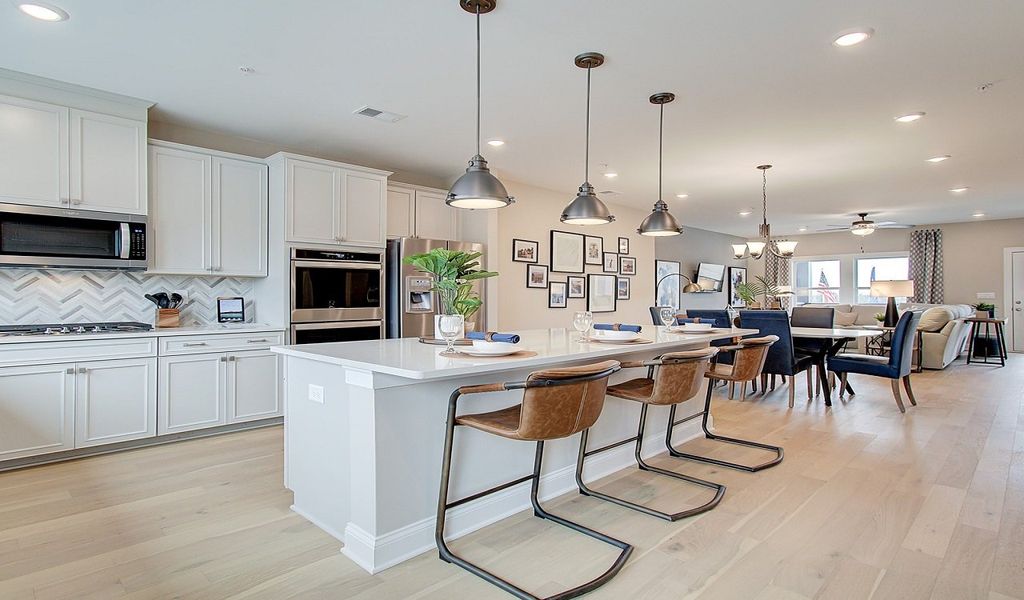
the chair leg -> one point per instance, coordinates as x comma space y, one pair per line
831, 380
810, 382
842, 384
792, 391
704, 425
896, 394
764, 384
910, 390
773, 382
732, 390
743, 391
718, 488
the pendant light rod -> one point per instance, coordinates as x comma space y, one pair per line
661, 144
478, 79
586, 153
660, 222
587, 208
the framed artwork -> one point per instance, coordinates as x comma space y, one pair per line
666, 293
623, 245
622, 291
737, 275
601, 293
566, 252
557, 294
525, 251
536, 276
593, 247
611, 262
577, 286
627, 265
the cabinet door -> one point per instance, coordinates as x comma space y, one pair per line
401, 211
254, 386
239, 218
312, 202
180, 195
364, 202
192, 392
435, 220
115, 401
33, 152
37, 410
108, 163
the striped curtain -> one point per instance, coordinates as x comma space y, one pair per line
777, 270
926, 265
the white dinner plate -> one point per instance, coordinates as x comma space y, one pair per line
488, 351
610, 335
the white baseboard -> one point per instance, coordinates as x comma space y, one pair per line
374, 554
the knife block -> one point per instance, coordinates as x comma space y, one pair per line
168, 317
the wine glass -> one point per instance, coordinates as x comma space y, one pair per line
667, 314
450, 326
581, 322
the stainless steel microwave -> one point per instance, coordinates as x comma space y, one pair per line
40, 237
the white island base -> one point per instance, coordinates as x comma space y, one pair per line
365, 424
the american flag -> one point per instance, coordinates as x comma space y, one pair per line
828, 296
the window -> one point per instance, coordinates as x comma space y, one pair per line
878, 268
817, 281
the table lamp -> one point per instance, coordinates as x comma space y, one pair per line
903, 288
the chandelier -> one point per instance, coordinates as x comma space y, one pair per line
782, 249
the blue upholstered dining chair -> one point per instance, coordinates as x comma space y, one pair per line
782, 359
896, 366
813, 316
656, 313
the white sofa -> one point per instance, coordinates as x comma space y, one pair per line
943, 330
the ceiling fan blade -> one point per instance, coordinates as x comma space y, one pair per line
890, 225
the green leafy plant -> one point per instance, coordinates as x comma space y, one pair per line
879, 317
749, 291
984, 306
453, 272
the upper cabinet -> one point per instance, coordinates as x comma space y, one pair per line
33, 152
108, 163
328, 203
420, 212
208, 212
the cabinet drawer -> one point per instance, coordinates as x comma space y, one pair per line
222, 342
74, 350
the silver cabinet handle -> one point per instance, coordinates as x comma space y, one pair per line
76, 201
82, 370
192, 344
259, 341
231, 359
70, 372
223, 359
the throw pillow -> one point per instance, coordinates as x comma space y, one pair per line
934, 319
845, 319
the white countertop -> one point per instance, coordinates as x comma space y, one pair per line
409, 358
212, 328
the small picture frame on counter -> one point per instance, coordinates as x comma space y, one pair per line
231, 309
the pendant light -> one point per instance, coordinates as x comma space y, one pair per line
781, 249
478, 188
660, 222
586, 208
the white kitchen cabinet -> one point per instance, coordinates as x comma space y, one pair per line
33, 152
401, 212
108, 163
208, 212
363, 215
254, 382
37, 410
419, 212
193, 392
115, 401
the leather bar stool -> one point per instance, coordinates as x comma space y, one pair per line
557, 403
748, 361
671, 379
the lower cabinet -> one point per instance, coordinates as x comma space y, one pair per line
37, 406
254, 384
115, 401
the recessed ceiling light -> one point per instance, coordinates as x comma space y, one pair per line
745, 212
938, 159
682, 195
978, 215
959, 190
802, 229
910, 117
611, 174
496, 143
43, 12
608, 172
246, 70
852, 37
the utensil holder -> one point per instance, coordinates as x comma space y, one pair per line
168, 317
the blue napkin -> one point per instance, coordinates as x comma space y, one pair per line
618, 327
492, 336
684, 320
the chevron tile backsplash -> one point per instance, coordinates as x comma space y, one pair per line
30, 296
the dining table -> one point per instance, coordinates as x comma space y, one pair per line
837, 338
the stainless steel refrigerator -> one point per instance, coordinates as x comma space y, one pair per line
411, 305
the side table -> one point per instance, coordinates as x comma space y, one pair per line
976, 325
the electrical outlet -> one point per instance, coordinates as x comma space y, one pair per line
316, 393
986, 295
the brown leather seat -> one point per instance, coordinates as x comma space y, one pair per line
677, 378
548, 413
748, 360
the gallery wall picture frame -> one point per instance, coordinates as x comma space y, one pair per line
666, 294
611, 263
525, 251
737, 276
627, 265
577, 286
623, 245
537, 276
601, 293
557, 294
567, 253
593, 249
622, 288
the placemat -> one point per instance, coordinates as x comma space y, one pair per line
519, 354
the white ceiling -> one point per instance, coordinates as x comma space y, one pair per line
755, 82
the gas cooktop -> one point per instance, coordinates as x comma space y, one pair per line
73, 328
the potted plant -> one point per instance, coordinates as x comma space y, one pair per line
879, 317
453, 272
747, 294
984, 310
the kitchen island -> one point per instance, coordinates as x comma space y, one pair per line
364, 431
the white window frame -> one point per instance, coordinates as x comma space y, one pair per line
857, 257
847, 270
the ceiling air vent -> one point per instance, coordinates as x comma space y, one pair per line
380, 115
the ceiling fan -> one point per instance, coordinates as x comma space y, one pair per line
865, 226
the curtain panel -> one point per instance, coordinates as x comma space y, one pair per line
778, 271
926, 265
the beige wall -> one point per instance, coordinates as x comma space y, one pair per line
972, 253
695, 246
534, 214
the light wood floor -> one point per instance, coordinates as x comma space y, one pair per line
868, 504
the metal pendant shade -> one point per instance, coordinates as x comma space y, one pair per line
587, 208
660, 222
478, 187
